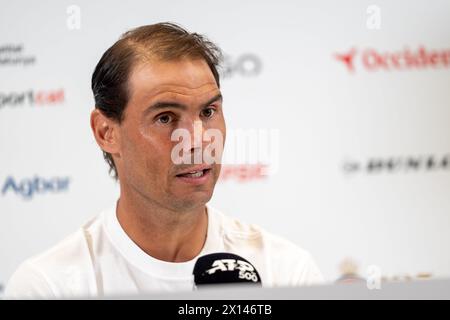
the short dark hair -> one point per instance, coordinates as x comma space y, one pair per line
164, 41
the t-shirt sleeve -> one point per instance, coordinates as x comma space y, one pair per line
291, 265
308, 274
28, 282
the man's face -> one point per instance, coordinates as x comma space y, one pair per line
165, 96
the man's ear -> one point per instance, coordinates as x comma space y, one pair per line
105, 132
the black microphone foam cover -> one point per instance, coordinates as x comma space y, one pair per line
223, 268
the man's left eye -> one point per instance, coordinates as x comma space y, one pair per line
208, 112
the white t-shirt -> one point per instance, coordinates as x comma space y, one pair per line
101, 260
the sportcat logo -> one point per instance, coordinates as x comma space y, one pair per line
31, 98
405, 59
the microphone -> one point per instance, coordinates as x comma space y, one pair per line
224, 268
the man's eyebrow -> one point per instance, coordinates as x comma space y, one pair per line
169, 104
218, 97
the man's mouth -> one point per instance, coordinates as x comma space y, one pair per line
194, 174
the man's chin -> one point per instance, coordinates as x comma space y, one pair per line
193, 200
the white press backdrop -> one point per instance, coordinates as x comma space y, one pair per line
363, 161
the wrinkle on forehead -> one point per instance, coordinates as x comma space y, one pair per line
169, 91
185, 69
188, 78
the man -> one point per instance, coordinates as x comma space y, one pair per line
157, 80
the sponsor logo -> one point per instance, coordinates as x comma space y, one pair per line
31, 98
372, 60
246, 270
27, 188
347, 59
245, 65
398, 164
244, 172
13, 55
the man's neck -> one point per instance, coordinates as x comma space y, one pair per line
163, 233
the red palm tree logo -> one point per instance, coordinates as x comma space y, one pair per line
347, 58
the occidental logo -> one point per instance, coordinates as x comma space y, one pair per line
405, 59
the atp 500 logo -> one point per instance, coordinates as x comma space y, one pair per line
246, 270
29, 187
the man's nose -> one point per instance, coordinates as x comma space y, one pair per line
195, 129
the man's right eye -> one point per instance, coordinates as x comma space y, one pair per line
164, 119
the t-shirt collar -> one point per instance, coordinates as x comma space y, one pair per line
150, 265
